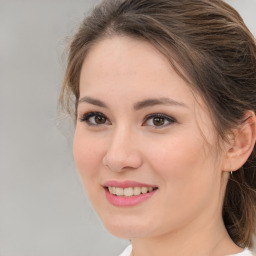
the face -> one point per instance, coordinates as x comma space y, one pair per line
140, 142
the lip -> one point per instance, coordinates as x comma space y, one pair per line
126, 184
122, 201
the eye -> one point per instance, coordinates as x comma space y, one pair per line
158, 120
94, 118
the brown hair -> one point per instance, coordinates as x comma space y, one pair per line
208, 44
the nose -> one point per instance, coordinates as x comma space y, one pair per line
122, 152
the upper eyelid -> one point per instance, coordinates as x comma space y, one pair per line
89, 114
92, 113
160, 115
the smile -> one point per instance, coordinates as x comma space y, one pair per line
130, 191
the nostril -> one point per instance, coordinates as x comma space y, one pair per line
121, 161
104, 160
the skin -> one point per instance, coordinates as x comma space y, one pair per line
184, 214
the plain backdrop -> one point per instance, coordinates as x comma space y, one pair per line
43, 208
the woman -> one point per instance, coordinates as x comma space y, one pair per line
164, 97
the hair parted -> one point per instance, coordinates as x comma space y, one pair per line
208, 44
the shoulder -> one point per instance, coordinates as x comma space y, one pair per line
245, 252
127, 251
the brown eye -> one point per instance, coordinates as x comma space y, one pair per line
95, 118
158, 121
100, 119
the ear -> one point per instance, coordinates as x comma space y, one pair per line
241, 144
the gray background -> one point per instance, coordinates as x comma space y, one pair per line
43, 208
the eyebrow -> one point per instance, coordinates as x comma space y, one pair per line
138, 105
93, 101
161, 101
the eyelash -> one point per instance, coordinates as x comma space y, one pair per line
87, 116
167, 118
170, 120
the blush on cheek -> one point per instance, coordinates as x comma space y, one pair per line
87, 155
82, 154
83, 157
180, 157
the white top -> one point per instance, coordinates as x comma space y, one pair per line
245, 252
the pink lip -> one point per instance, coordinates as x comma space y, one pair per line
126, 184
122, 201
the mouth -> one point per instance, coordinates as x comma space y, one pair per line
130, 191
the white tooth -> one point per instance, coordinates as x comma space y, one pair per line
144, 190
136, 191
128, 191
119, 191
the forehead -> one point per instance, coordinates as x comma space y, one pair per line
124, 63
123, 54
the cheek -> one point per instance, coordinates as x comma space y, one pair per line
177, 155
184, 166
87, 155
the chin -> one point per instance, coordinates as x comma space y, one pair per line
127, 232
129, 227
